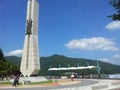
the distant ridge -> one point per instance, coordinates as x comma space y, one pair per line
63, 61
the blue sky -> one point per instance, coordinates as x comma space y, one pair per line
74, 28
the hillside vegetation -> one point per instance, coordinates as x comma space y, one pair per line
63, 61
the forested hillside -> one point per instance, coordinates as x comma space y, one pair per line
63, 61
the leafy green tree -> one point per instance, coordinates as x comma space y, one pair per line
1, 54
116, 5
7, 68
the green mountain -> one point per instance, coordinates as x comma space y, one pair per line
14, 59
63, 61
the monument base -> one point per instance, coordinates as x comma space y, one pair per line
25, 80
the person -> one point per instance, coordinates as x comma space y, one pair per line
82, 75
72, 77
15, 81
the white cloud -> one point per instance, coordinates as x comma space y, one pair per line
112, 61
95, 43
116, 56
113, 25
14, 53
105, 60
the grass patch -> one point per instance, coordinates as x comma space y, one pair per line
44, 82
6, 83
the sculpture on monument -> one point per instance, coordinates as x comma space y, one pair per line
30, 62
29, 26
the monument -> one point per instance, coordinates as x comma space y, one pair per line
30, 62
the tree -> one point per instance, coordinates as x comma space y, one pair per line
7, 68
1, 54
116, 5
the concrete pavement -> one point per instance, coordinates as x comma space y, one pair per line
79, 84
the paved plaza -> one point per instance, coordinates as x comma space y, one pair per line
81, 84
73, 84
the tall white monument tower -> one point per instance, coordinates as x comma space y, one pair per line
30, 62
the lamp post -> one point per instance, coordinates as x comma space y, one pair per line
98, 69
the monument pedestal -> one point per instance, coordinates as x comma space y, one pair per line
27, 80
